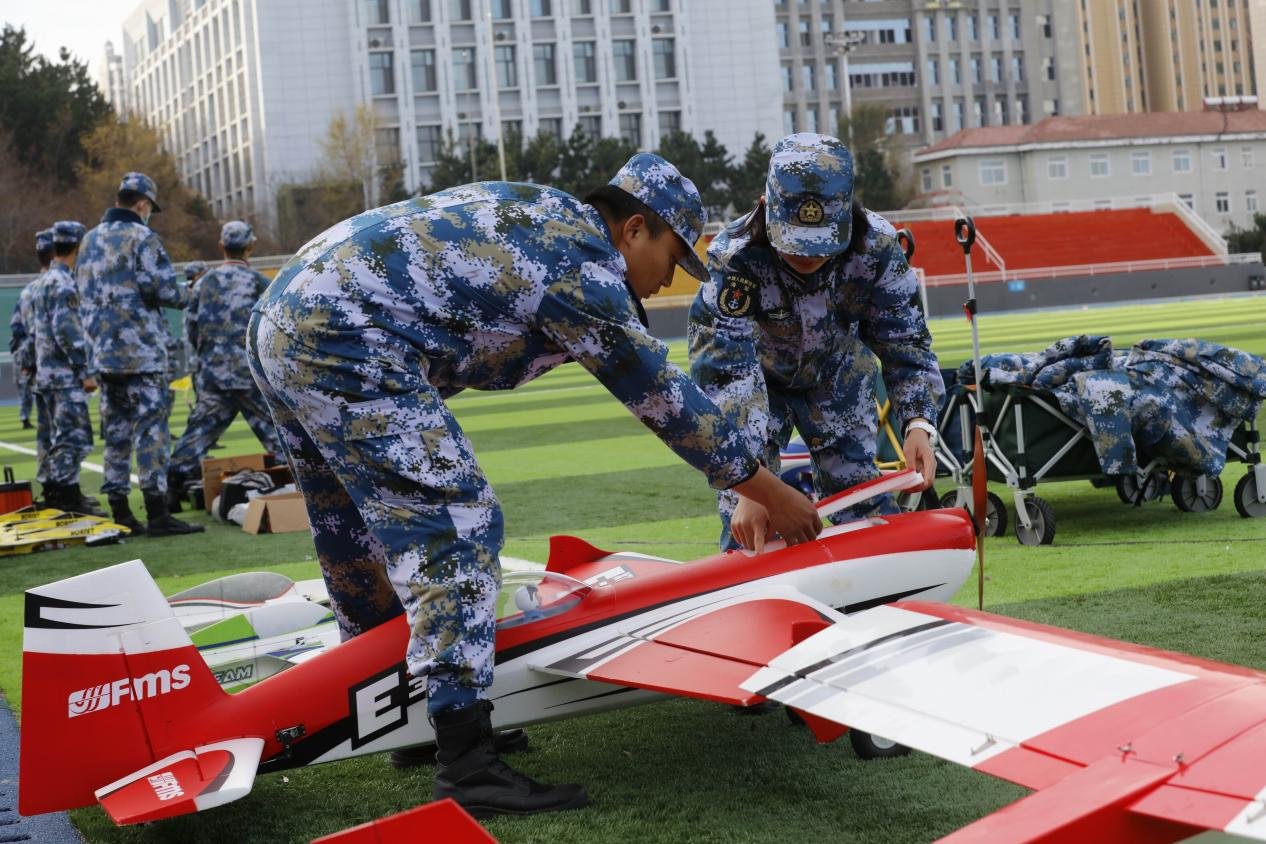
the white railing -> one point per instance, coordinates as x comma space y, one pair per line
1097, 269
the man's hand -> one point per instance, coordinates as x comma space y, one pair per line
790, 512
919, 455
89, 384
750, 524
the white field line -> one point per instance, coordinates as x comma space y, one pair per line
91, 467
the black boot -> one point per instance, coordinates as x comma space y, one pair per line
503, 743
121, 514
175, 490
26, 424
80, 503
54, 496
160, 521
469, 770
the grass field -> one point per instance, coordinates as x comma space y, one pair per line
565, 457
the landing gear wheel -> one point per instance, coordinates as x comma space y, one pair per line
1190, 498
995, 511
1130, 491
1247, 503
1042, 521
867, 746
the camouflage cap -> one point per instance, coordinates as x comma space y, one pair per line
236, 234
142, 184
809, 196
68, 232
193, 269
44, 240
661, 187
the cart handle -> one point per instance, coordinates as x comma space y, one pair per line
965, 233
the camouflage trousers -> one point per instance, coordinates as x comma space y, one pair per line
839, 425
26, 397
394, 496
214, 411
134, 411
71, 434
43, 435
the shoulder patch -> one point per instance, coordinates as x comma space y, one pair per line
735, 298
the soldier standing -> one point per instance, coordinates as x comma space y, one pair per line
215, 328
373, 324
800, 293
21, 341
62, 373
126, 279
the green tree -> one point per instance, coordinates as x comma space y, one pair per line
879, 182
607, 156
573, 162
539, 160
46, 107
747, 179
1243, 241
716, 170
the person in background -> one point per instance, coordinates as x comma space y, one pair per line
22, 347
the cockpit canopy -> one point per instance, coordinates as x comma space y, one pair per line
528, 596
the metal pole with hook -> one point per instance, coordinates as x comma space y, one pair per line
965, 234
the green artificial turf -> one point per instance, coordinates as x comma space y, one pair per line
563, 456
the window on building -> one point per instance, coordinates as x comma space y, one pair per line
1048, 68
933, 73
387, 144
928, 22
994, 26
377, 12
582, 7
669, 122
1250, 201
978, 111
1246, 158
903, 121
789, 121
501, 9
1222, 202
1141, 163
1188, 199
807, 79
591, 125
951, 27
585, 61
1017, 68
1218, 154
955, 73
811, 120
625, 60
1013, 24
973, 27
1182, 161
542, 8
973, 69
947, 176
544, 65
552, 126
419, 11
423, 66
956, 116
1099, 165
507, 68
664, 53
925, 176
631, 128
786, 78
995, 69
661, 5
782, 35
1021, 110
621, 7
1057, 167
459, 10
464, 73
431, 141
886, 75
382, 76
1044, 23
938, 117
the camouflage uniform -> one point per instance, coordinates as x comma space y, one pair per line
375, 322
22, 346
126, 279
61, 364
775, 350
215, 327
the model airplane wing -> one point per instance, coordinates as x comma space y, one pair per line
1114, 736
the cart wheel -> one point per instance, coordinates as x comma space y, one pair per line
867, 746
995, 511
1188, 498
1042, 519
1128, 489
1247, 504
948, 500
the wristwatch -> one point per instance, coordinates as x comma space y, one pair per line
925, 426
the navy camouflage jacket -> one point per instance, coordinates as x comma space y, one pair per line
215, 324
61, 351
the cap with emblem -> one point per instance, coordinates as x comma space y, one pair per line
236, 234
661, 187
809, 196
44, 240
193, 269
142, 184
68, 232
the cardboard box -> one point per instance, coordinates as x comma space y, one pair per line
285, 513
215, 470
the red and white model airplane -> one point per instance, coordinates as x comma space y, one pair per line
1123, 742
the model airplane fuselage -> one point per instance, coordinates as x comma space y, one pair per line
120, 708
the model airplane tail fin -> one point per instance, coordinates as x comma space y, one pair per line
105, 666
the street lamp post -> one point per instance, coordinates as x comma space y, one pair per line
496, 92
841, 45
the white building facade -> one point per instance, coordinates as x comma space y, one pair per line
244, 90
1215, 163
